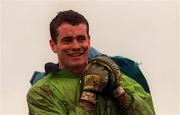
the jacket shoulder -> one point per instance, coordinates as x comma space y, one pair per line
37, 76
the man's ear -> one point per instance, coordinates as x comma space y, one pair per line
89, 40
53, 45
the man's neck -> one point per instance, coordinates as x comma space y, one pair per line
77, 70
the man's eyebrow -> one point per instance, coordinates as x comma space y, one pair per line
80, 36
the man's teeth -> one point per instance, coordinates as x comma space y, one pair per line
74, 55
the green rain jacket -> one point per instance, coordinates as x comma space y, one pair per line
59, 93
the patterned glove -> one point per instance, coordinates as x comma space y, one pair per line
94, 80
118, 92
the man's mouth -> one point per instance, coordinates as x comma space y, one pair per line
75, 54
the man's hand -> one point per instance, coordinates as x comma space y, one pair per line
94, 80
95, 77
115, 80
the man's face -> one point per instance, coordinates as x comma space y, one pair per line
72, 45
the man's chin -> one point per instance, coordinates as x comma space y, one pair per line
76, 64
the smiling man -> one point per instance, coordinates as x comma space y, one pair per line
72, 46
76, 86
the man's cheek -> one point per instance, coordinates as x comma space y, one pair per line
85, 47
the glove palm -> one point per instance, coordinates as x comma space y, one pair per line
94, 80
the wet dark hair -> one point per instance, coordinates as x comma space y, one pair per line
70, 17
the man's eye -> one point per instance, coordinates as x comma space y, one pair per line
81, 38
67, 40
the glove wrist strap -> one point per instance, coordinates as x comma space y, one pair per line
88, 97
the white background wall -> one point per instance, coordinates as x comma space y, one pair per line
145, 31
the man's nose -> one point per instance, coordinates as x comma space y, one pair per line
75, 44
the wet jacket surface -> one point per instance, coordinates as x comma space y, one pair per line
58, 93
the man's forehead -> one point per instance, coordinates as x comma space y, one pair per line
72, 30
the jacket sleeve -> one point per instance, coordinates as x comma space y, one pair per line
140, 102
41, 101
